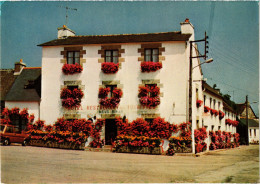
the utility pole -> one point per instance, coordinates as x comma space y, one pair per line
190, 82
247, 134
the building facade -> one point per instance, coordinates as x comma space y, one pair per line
167, 71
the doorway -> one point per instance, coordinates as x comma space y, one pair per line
110, 131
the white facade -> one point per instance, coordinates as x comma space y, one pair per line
33, 107
173, 82
253, 134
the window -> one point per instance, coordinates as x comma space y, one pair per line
9, 129
212, 127
218, 105
204, 100
111, 87
197, 123
219, 127
214, 103
255, 132
73, 57
210, 101
197, 93
250, 132
111, 56
151, 55
72, 87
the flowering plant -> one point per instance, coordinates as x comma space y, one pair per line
71, 98
149, 96
140, 127
232, 122
213, 112
200, 136
24, 114
123, 126
199, 103
221, 114
103, 92
160, 128
69, 69
112, 102
206, 109
109, 67
149, 66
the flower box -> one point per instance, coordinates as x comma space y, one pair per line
206, 109
199, 103
109, 68
221, 114
112, 102
149, 66
70, 69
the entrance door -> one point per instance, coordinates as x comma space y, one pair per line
110, 131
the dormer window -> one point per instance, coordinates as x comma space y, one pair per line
151, 54
73, 57
111, 56
29, 85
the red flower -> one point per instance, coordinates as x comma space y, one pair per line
5, 112
206, 109
69, 69
149, 66
24, 114
221, 114
143, 91
199, 103
103, 92
117, 93
70, 103
109, 68
140, 127
154, 91
65, 93
15, 110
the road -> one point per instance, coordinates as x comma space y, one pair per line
46, 165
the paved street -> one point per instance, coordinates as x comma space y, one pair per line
44, 165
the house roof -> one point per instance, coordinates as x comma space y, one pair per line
241, 107
7, 79
251, 122
27, 86
227, 107
120, 38
210, 90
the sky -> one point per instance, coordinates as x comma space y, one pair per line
232, 27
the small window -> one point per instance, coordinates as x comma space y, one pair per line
255, 132
72, 87
197, 93
218, 105
111, 87
111, 56
204, 100
197, 123
250, 132
212, 127
9, 129
214, 104
151, 55
219, 127
73, 57
210, 101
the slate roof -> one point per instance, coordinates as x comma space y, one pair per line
120, 38
210, 90
7, 79
227, 107
241, 107
27, 86
251, 122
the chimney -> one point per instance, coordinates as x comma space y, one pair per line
18, 67
64, 32
187, 27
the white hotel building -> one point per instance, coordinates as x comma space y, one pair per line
171, 49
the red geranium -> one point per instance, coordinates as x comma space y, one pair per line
199, 103
70, 103
140, 127
149, 66
109, 67
24, 114
69, 69
103, 92
206, 109
221, 114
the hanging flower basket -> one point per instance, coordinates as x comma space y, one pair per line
70, 69
149, 66
109, 68
149, 96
